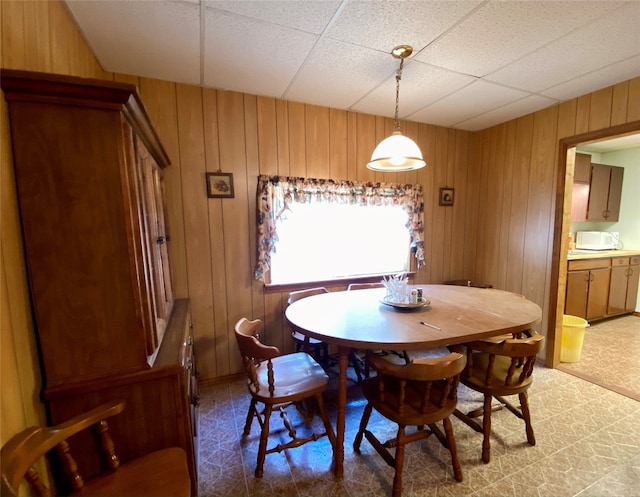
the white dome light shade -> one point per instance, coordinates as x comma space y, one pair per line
396, 153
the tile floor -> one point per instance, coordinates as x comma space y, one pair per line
609, 357
588, 444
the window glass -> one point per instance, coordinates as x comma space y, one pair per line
323, 241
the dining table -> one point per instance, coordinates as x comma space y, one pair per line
447, 315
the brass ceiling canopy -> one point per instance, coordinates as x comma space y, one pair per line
402, 51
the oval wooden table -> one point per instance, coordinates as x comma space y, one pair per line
359, 320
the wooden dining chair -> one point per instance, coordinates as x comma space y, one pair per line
364, 286
277, 381
391, 355
160, 473
471, 283
418, 394
305, 343
499, 367
318, 348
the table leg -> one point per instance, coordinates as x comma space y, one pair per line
343, 360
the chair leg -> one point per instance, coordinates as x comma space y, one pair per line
451, 445
264, 435
325, 420
396, 491
325, 354
355, 365
526, 415
363, 426
486, 429
250, 414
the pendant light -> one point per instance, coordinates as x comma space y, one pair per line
397, 152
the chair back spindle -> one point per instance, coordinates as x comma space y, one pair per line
277, 381
419, 394
499, 367
162, 472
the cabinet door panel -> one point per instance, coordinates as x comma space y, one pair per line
632, 288
618, 290
599, 193
579, 202
615, 193
598, 293
582, 171
577, 292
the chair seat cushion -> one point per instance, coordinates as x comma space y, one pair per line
293, 374
411, 414
496, 383
160, 473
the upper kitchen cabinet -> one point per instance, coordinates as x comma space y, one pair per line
581, 179
597, 191
582, 172
605, 193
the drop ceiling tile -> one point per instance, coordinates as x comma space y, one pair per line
500, 32
252, 56
470, 101
283, 48
311, 16
506, 113
337, 74
421, 85
382, 25
611, 39
153, 39
601, 78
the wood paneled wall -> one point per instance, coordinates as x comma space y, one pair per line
36, 36
501, 229
523, 219
214, 240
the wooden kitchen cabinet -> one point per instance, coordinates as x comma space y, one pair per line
623, 292
88, 168
597, 191
582, 170
605, 193
581, 187
588, 288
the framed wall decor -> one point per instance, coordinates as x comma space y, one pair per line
220, 185
446, 196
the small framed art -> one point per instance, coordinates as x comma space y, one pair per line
446, 196
220, 185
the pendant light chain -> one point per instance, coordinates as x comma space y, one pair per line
397, 152
398, 78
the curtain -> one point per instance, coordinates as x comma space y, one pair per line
275, 194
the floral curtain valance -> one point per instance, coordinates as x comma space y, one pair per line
275, 194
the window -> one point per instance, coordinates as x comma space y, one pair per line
310, 229
323, 241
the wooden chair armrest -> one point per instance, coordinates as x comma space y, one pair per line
29, 446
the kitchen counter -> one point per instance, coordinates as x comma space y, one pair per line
576, 255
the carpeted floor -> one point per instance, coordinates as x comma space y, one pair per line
609, 357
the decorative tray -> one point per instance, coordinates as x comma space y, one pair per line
405, 305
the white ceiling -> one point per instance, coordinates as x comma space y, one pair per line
614, 144
475, 63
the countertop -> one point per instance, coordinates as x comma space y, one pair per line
576, 255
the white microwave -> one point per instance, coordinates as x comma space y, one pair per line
598, 240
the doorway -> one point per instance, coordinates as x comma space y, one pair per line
562, 223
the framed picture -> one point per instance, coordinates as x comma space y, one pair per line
446, 196
220, 185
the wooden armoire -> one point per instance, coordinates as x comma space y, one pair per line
89, 174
